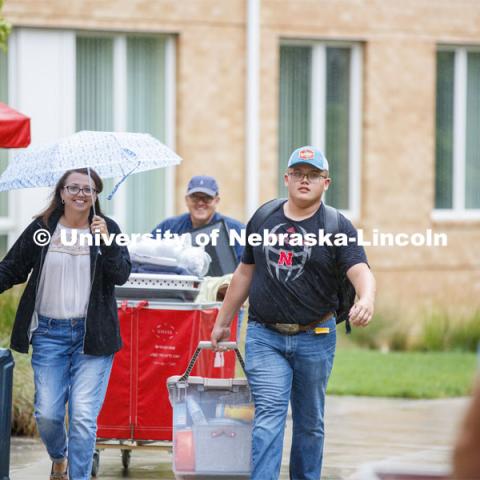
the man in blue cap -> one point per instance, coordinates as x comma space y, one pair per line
202, 199
294, 300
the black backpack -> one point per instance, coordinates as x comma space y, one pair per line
346, 291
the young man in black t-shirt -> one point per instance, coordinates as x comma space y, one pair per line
291, 337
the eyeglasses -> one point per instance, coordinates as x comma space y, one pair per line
313, 176
75, 190
201, 198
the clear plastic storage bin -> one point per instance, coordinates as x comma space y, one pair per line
212, 424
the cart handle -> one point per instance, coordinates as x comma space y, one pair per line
205, 345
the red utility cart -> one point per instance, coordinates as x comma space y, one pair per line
159, 339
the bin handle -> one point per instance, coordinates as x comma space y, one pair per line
205, 345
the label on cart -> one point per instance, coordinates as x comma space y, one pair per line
219, 361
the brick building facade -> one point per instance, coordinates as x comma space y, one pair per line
390, 53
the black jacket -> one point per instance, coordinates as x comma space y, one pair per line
109, 266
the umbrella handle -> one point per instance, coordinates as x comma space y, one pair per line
91, 190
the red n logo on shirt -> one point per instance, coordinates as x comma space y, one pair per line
286, 258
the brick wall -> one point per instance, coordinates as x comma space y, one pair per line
397, 180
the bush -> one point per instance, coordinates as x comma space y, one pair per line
444, 332
385, 333
8, 307
23, 422
434, 331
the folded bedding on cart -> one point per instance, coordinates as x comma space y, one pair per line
213, 289
139, 267
173, 255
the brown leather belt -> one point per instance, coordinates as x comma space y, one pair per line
294, 328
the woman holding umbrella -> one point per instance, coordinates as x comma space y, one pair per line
68, 313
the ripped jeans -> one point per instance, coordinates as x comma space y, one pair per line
63, 373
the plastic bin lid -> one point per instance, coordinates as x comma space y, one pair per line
208, 382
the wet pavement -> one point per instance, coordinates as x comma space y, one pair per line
361, 434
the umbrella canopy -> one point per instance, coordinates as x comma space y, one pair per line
14, 128
110, 154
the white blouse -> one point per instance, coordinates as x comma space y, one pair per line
64, 286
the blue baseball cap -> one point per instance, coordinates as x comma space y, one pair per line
310, 156
203, 184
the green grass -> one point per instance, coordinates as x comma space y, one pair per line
402, 374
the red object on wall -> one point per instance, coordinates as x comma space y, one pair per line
158, 343
14, 128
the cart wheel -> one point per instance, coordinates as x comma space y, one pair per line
96, 463
126, 458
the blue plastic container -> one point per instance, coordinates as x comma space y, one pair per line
6, 383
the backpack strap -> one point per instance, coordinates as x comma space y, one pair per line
332, 220
332, 225
264, 211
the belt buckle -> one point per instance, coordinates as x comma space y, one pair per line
287, 328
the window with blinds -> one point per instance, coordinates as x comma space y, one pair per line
4, 204
146, 106
457, 142
94, 94
320, 102
3, 152
121, 85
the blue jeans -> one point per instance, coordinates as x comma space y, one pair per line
63, 373
282, 368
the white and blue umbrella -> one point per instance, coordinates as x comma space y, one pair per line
110, 154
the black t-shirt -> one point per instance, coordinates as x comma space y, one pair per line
297, 283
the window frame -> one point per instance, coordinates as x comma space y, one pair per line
318, 109
8, 222
458, 212
120, 93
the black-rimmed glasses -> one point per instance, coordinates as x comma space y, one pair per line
75, 190
313, 176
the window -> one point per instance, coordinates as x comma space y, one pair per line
3, 151
457, 143
5, 223
122, 84
320, 104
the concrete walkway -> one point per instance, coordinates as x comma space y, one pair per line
360, 432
